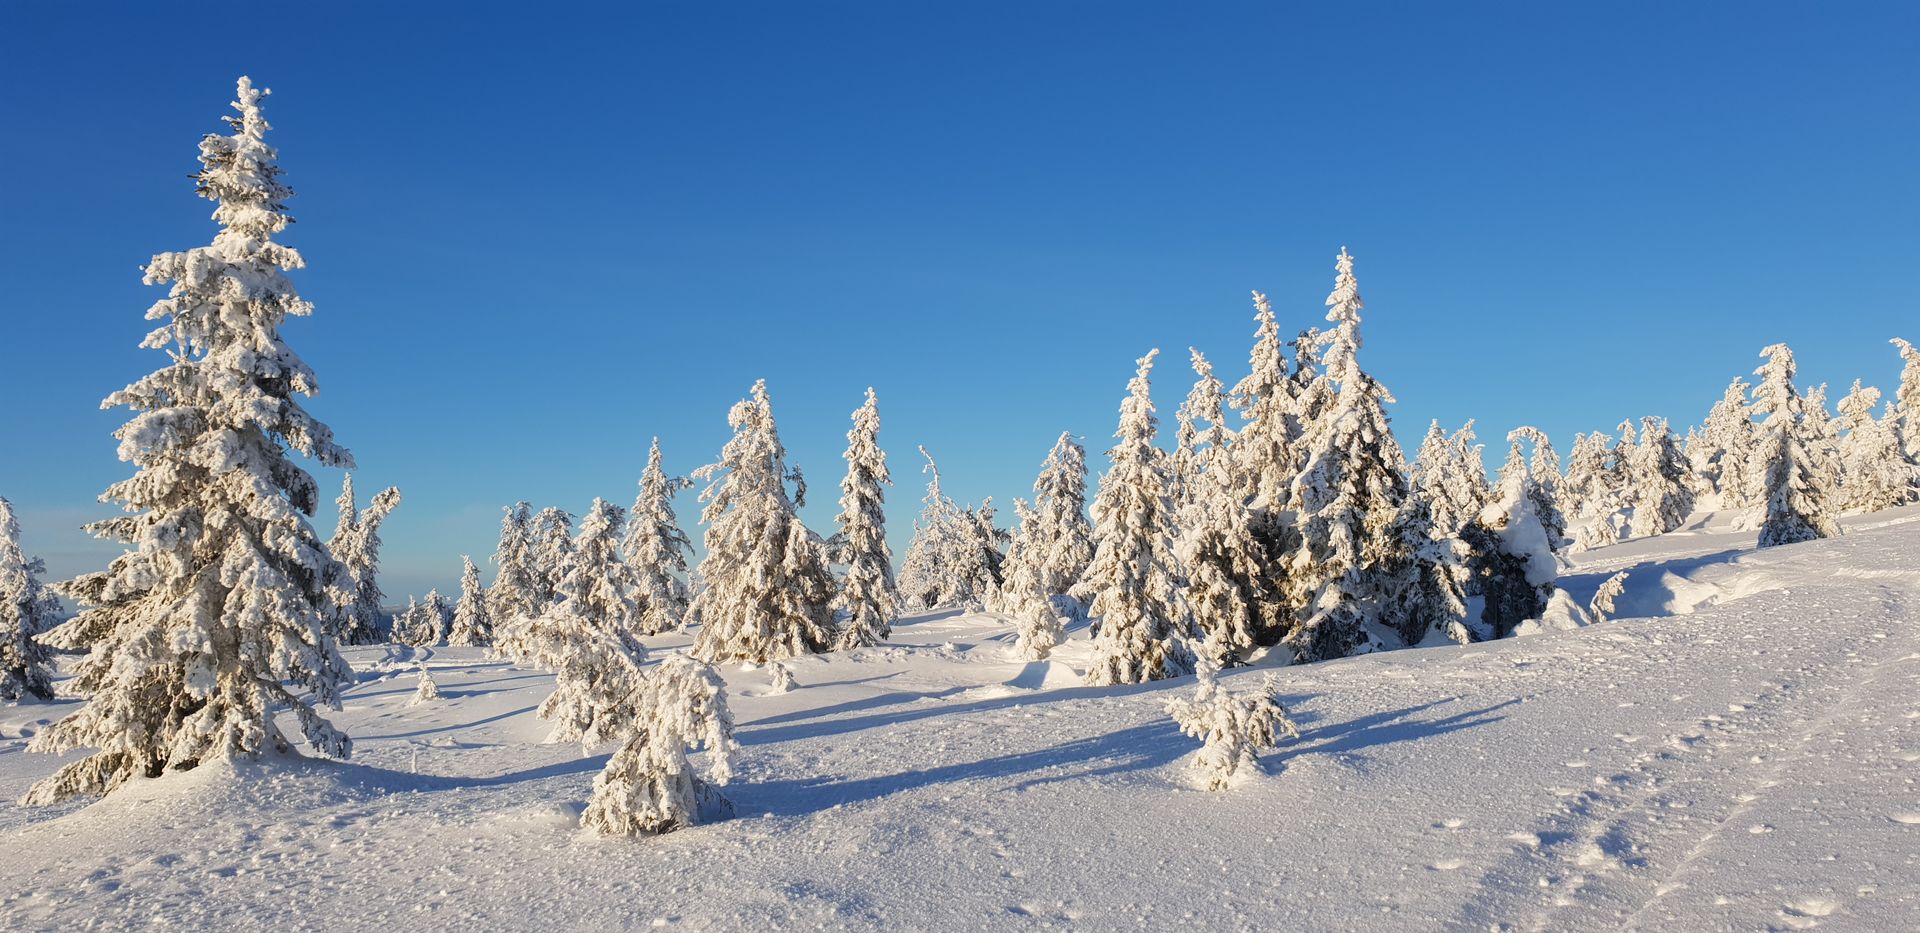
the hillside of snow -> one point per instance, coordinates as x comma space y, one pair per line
1741, 756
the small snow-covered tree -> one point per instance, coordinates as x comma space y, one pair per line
768, 593
427, 691
356, 545
406, 624
1060, 539
1660, 492
1586, 484
1196, 450
1234, 727
552, 553
866, 594
471, 624
1515, 554
1134, 584
649, 786
780, 678
598, 580
1449, 472
931, 574
26, 610
980, 565
1601, 608
435, 615
1348, 496
657, 549
1794, 502
227, 595
514, 599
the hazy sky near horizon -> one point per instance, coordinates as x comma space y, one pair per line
540, 235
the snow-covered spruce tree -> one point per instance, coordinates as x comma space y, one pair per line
657, 549
1061, 537
1449, 473
1227, 587
514, 598
26, 609
1198, 449
769, 594
1823, 442
1424, 594
597, 591
1348, 496
1313, 396
1584, 489
867, 595
981, 565
427, 691
435, 617
471, 624
1794, 504
1906, 400
1134, 584
1726, 445
406, 623
1661, 492
780, 678
356, 545
930, 574
1235, 727
1879, 473
1514, 551
552, 553
1267, 446
1601, 608
227, 594
649, 786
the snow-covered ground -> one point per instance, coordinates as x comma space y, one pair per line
1742, 758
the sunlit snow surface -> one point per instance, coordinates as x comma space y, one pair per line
1744, 759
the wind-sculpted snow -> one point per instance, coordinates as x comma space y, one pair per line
1739, 756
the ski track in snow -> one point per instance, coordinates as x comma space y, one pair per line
1743, 758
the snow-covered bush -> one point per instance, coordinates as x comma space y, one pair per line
427, 691
1601, 606
1233, 727
649, 786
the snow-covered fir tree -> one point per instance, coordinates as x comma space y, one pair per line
1348, 496
1425, 578
930, 575
1449, 472
1060, 538
780, 678
1879, 474
1234, 727
1661, 491
1134, 583
27, 608
356, 545
1823, 442
657, 549
552, 553
597, 591
1584, 489
1267, 445
217, 514
428, 691
1725, 446
1196, 448
1514, 551
406, 624
471, 624
649, 786
867, 596
1227, 588
1794, 502
981, 564
514, 598
1906, 400
435, 616
768, 592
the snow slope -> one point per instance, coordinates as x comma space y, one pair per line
1743, 760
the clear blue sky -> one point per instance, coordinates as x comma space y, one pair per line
539, 235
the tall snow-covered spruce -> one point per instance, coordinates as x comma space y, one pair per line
514, 599
769, 594
226, 595
867, 594
27, 608
1794, 502
1348, 496
657, 549
1134, 584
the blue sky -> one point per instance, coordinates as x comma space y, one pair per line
539, 235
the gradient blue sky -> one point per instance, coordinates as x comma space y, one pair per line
540, 234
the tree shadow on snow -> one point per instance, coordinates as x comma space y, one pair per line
817, 728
